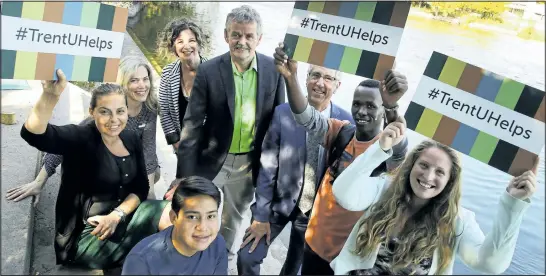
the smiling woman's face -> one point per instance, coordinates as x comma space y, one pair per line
186, 47
110, 114
138, 87
430, 173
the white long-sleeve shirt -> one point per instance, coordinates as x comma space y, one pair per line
490, 254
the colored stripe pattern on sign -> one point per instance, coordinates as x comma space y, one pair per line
41, 66
347, 59
84, 14
468, 140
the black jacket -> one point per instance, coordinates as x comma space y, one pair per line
79, 146
204, 147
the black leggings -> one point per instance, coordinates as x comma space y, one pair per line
313, 264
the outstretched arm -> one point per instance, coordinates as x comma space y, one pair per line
348, 189
304, 114
37, 132
43, 110
492, 254
33, 188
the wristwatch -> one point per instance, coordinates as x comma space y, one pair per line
120, 213
390, 109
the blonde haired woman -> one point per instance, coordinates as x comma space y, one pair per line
136, 77
414, 224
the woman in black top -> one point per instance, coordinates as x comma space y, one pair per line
185, 40
135, 75
99, 216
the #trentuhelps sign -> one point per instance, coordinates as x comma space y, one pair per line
359, 38
84, 39
491, 118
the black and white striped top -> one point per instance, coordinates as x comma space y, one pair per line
169, 92
144, 125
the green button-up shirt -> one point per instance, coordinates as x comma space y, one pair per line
246, 85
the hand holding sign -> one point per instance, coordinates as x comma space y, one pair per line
393, 134
84, 39
393, 87
359, 38
524, 186
55, 88
286, 67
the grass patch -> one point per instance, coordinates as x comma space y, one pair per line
147, 54
86, 85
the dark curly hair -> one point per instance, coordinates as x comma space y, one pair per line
167, 37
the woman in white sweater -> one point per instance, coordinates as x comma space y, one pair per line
413, 222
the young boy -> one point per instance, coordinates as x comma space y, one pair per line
192, 245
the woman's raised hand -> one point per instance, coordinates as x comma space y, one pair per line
524, 186
55, 88
393, 134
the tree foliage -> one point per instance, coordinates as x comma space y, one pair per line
456, 9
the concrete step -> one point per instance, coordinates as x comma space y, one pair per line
18, 167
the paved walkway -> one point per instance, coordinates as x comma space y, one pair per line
18, 163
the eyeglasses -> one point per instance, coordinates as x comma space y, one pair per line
327, 79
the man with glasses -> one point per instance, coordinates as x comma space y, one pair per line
374, 104
286, 190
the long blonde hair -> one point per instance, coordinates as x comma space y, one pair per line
127, 68
433, 227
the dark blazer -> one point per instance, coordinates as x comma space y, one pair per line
204, 146
79, 146
282, 163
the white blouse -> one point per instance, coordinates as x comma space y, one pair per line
490, 254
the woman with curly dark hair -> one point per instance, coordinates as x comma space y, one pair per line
184, 39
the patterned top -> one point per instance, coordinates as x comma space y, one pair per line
384, 259
169, 101
144, 125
